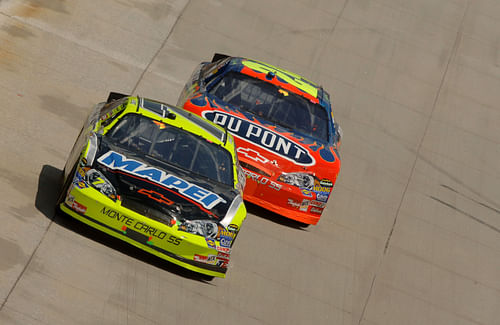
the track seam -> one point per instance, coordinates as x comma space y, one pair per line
52, 219
386, 247
28, 262
141, 77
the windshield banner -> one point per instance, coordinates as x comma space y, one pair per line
262, 137
117, 161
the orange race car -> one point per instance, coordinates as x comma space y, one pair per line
283, 124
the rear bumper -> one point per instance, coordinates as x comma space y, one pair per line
149, 235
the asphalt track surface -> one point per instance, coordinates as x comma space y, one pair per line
411, 234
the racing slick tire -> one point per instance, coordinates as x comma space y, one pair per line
63, 187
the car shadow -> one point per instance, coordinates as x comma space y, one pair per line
274, 217
46, 197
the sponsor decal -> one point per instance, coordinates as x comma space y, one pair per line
222, 263
210, 243
69, 199
232, 227
221, 255
262, 180
222, 259
262, 137
252, 154
317, 204
78, 207
321, 188
226, 250
316, 210
80, 171
306, 193
323, 197
226, 233
293, 203
78, 180
83, 163
117, 161
326, 182
210, 259
304, 205
225, 241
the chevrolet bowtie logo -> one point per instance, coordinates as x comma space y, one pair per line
252, 154
158, 197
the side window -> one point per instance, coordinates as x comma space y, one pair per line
107, 111
206, 70
210, 71
242, 179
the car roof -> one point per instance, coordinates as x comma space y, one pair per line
285, 79
183, 119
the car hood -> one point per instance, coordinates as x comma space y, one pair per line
156, 189
294, 147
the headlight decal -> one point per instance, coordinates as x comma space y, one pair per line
96, 179
298, 179
204, 228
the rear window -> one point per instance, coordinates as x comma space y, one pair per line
274, 104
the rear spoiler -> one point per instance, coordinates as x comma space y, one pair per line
115, 96
219, 56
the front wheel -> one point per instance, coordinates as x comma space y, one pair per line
63, 186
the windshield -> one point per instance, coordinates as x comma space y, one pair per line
274, 104
173, 146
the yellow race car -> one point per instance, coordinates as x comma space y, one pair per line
159, 178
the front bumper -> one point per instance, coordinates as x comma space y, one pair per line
283, 199
181, 248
